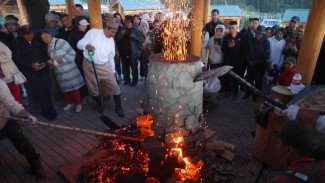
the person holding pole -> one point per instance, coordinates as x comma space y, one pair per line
11, 129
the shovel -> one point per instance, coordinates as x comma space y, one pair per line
227, 70
107, 121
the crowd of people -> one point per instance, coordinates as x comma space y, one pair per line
78, 55
268, 55
30, 55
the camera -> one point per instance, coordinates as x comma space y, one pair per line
274, 71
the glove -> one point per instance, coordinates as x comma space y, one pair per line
33, 119
291, 112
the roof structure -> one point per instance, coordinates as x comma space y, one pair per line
301, 13
134, 5
62, 2
227, 10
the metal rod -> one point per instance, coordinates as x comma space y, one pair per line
81, 130
255, 91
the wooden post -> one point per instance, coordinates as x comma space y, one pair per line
69, 6
196, 27
95, 15
312, 41
22, 12
4, 13
206, 11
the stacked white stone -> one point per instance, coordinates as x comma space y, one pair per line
174, 100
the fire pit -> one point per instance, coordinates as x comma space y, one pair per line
174, 100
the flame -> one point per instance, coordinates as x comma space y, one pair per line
174, 33
190, 171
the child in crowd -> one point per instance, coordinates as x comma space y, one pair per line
286, 76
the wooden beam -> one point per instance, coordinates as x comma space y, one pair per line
22, 12
4, 3
69, 7
312, 41
206, 11
95, 16
60, 7
196, 27
8, 8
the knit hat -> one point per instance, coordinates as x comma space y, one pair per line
291, 60
11, 19
50, 17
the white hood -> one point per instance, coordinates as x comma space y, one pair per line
220, 26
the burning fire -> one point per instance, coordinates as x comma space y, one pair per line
174, 34
190, 171
132, 161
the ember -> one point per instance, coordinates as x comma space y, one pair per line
130, 160
190, 171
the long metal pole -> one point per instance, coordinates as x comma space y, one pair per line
81, 130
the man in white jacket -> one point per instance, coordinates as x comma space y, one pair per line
275, 61
102, 41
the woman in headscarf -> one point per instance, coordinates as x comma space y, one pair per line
146, 48
67, 74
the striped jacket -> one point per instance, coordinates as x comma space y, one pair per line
67, 74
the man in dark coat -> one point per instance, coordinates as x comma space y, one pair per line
303, 149
30, 55
291, 29
129, 40
259, 52
210, 27
232, 47
65, 31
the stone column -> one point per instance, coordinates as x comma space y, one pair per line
174, 100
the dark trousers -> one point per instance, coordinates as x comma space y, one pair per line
15, 134
117, 61
41, 85
128, 63
144, 67
255, 77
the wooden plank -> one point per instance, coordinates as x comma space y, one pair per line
227, 154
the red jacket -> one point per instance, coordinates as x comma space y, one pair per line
286, 76
315, 170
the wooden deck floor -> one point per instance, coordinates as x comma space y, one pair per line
59, 147
232, 120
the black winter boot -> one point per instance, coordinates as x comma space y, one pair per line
37, 168
118, 105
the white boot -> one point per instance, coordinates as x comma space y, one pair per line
68, 107
78, 108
